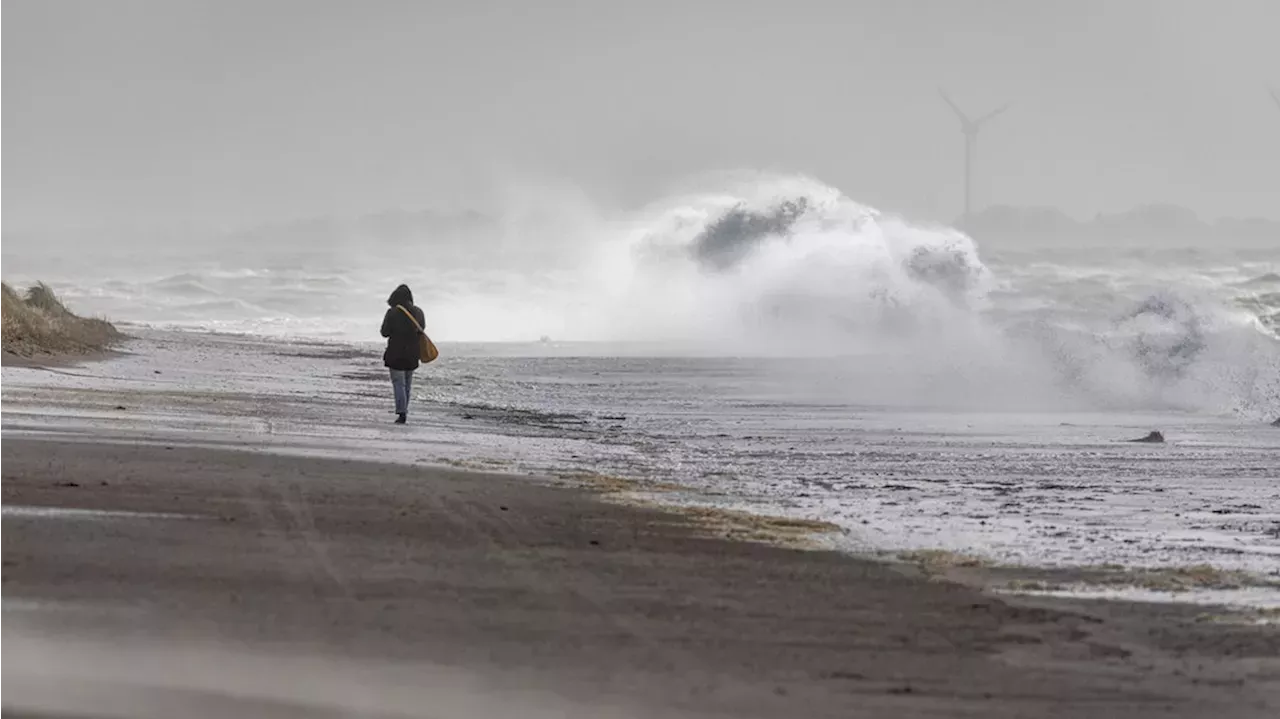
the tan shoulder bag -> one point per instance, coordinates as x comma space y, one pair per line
427, 351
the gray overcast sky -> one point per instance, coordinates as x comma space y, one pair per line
230, 112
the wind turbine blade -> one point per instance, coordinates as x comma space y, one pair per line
993, 113
1275, 95
964, 119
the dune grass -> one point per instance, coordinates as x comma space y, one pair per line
37, 323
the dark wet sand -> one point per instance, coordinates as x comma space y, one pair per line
596, 602
55, 360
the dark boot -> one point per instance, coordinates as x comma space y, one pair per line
401, 418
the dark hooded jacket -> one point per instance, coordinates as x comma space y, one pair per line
402, 336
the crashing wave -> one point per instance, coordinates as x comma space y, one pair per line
789, 256
1165, 335
736, 232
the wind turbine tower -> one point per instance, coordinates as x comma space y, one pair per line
970, 128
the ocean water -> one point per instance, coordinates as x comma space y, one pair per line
752, 266
720, 263
769, 343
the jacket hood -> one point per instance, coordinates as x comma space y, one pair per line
402, 296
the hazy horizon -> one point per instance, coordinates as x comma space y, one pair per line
219, 115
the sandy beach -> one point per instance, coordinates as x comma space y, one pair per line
535, 589
160, 557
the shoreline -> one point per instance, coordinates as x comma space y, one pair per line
1197, 585
168, 389
589, 601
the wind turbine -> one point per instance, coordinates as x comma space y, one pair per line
970, 128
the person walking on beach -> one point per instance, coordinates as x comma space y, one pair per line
402, 326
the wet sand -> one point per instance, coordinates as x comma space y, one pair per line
54, 360
202, 582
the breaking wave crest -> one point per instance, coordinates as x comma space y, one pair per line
782, 266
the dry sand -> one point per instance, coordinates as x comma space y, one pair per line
260, 585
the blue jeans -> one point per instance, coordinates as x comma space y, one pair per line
402, 385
